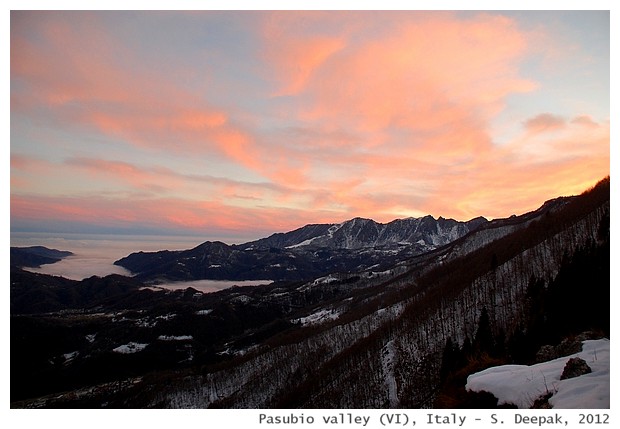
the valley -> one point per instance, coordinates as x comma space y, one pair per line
360, 315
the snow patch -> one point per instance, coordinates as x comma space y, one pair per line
303, 243
175, 338
324, 280
204, 312
383, 273
244, 299
318, 317
146, 323
166, 317
130, 347
521, 385
70, 356
332, 229
388, 361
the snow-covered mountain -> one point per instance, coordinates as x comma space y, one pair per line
308, 252
358, 233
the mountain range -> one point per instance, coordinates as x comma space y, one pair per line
371, 318
305, 253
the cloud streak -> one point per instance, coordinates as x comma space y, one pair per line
316, 116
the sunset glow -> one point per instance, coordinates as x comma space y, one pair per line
248, 123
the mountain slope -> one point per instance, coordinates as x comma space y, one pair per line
35, 256
361, 233
384, 348
305, 253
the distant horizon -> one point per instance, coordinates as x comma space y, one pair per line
227, 239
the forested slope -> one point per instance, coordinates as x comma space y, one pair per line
388, 351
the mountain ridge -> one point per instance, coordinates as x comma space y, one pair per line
307, 252
35, 256
327, 235
316, 250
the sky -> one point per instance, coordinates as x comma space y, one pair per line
240, 123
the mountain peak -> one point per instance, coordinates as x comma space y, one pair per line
358, 233
311, 250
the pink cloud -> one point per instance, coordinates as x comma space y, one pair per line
366, 86
161, 213
370, 115
25, 171
544, 122
164, 180
520, 175
95, 81
297, 59
420, 88
295, 48
585, 120
420, 75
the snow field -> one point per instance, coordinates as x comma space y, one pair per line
521, 385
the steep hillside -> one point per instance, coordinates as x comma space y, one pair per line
387, 349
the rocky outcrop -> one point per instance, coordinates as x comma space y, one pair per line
575, 367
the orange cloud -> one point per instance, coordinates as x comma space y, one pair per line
374, 115
357, 86
95, 81
294, 50
298, 59
401, 94
522, 174
126, 174
420, 75
203, 217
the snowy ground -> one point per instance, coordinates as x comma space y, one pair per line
175, 338
318, 317
521, 385
130, 348
388, 358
